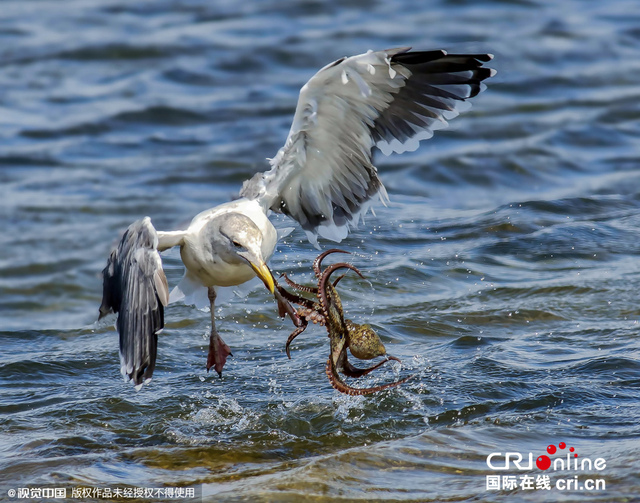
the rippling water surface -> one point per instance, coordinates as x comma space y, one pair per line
505, 272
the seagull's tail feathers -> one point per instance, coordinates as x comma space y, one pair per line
135, 287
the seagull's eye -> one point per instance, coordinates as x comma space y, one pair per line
236, 244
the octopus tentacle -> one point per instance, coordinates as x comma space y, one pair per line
291, 297
284, 307
297, 286
317, 263
343, 387
324, 278
295, 334
337, 280
351, 371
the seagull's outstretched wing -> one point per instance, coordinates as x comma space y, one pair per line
323, 176
135, 287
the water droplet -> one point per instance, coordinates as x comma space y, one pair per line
562, 445
551, 449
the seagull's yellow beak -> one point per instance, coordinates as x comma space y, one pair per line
264, 273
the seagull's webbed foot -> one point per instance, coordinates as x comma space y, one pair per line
218, 352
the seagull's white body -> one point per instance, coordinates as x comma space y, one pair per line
323, 178
203, 264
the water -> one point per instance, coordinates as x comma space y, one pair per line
504, 273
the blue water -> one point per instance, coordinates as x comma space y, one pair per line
504, 273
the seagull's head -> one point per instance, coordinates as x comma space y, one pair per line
241, 241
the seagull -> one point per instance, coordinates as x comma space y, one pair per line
323, 178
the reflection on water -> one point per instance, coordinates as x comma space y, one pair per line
504, 273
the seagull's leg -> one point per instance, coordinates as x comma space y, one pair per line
218, 349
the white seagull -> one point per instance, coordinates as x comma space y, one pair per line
322, 177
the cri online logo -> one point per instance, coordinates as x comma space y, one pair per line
544, 462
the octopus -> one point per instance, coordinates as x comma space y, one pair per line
326, 310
